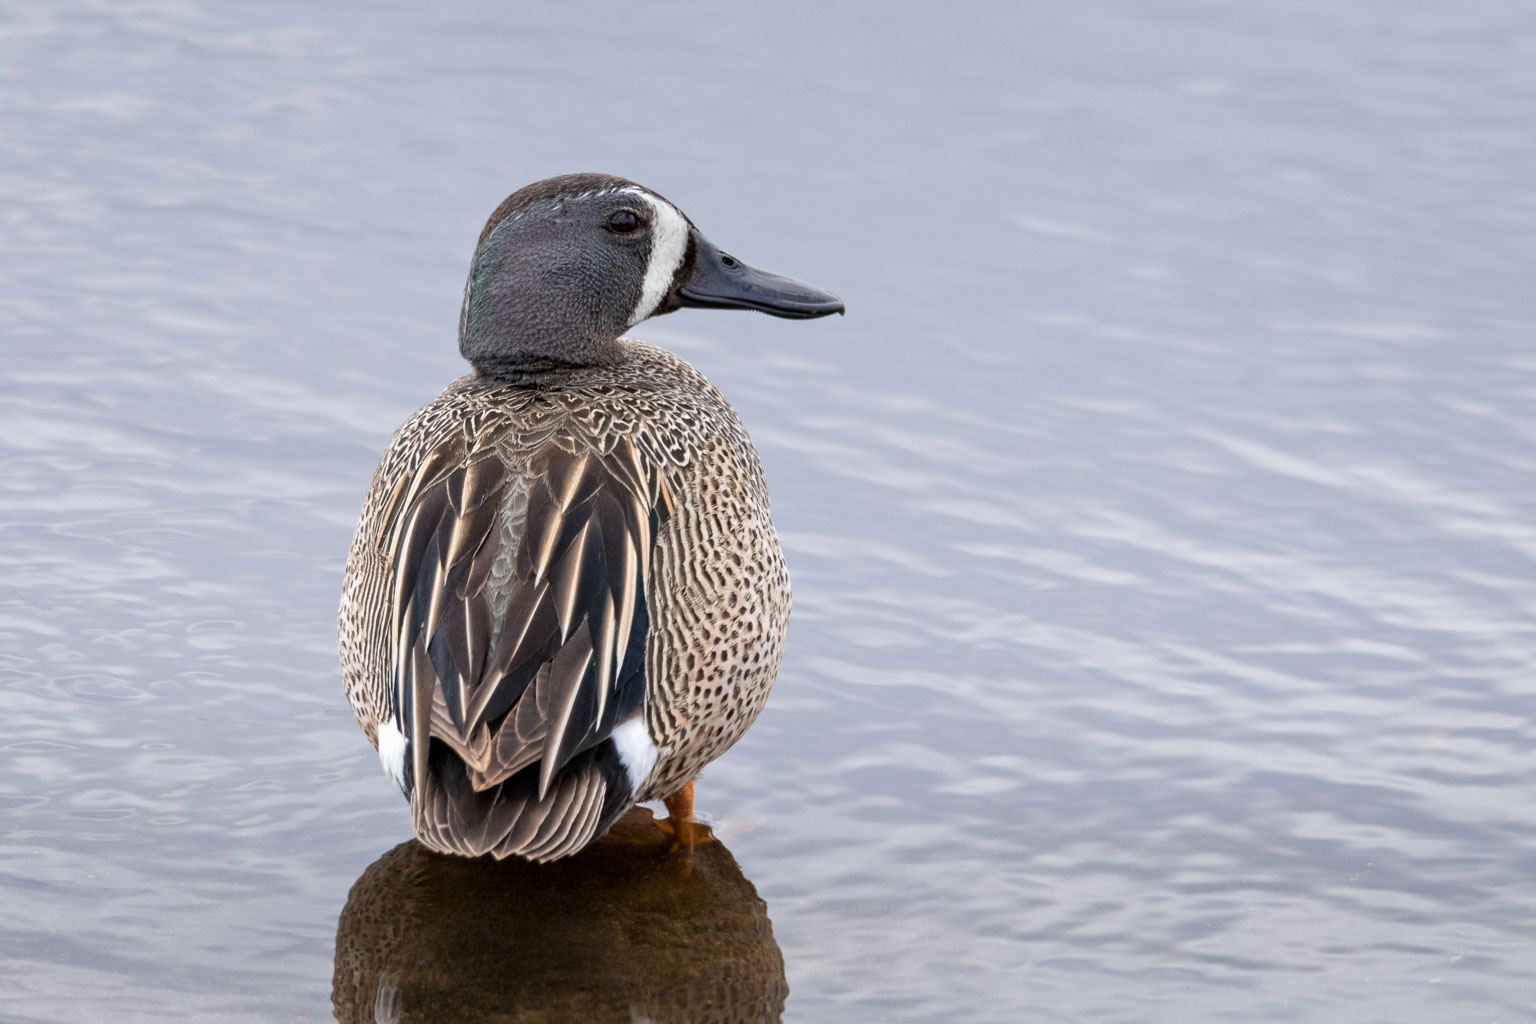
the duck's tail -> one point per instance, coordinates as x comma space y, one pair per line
508, 819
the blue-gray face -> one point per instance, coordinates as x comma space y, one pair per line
567, 265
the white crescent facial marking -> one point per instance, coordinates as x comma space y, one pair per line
669, 244
636, 751
392, 752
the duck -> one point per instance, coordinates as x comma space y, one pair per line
565, 595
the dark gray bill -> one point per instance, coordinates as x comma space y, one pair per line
718, 281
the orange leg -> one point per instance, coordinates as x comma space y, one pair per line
685, 831
680, 804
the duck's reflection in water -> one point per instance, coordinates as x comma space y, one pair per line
624, 931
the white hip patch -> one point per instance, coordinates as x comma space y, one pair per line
636, 751
392, 752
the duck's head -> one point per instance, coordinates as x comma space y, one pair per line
567, 265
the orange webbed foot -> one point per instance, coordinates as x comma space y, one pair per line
679, 823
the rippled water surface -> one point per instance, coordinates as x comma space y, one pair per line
1161, 515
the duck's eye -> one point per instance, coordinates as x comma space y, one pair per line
623, 221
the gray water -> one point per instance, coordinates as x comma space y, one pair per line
1161, 515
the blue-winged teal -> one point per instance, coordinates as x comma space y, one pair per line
565, 594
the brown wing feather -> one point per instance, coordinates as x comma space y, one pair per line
536, 667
